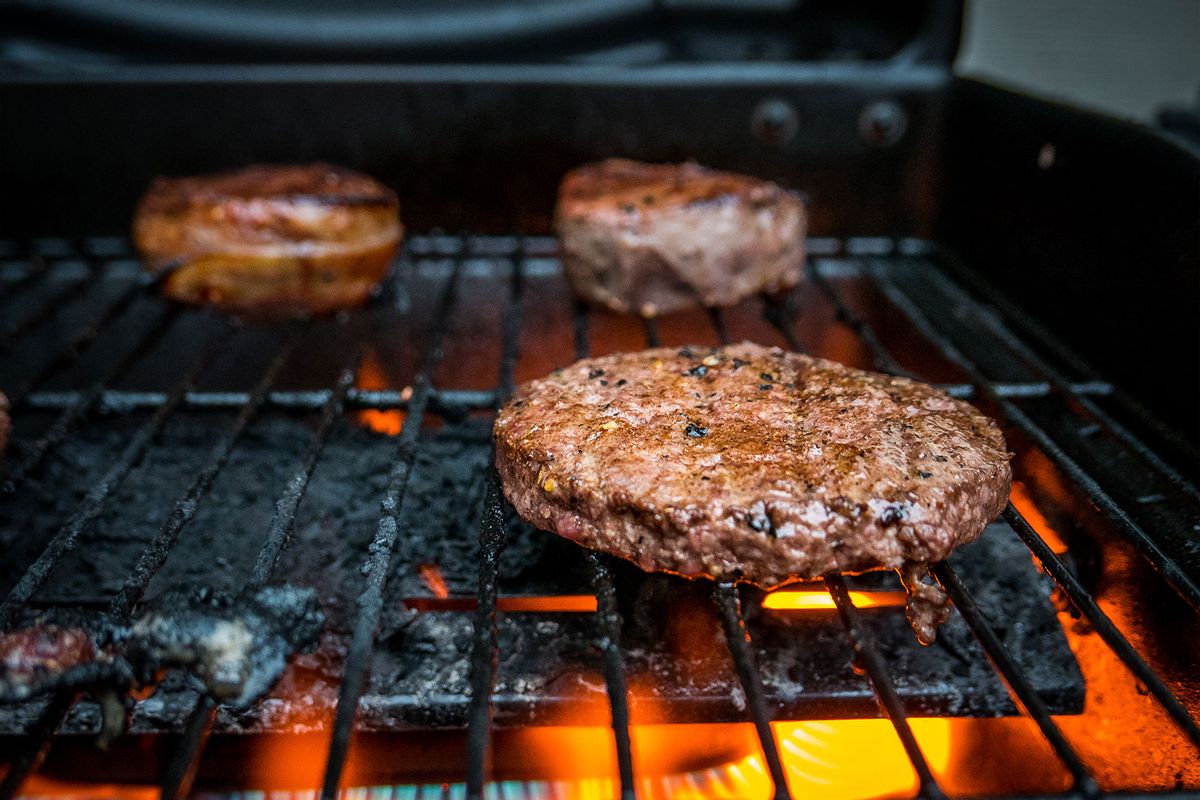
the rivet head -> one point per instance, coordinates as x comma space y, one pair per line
775, 121
882, 123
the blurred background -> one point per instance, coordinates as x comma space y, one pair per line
1125, 57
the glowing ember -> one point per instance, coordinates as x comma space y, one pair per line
432, 576
370, 376
1036, 519
801, 600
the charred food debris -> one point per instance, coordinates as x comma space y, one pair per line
235, 646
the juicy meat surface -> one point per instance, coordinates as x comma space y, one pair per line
655, 238
750, 463
300, 238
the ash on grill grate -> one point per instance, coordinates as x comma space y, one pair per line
550, 666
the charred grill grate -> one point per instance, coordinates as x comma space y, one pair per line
1059, 415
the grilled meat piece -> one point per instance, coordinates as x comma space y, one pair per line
749, 463
655, 238
291, 239
29, 657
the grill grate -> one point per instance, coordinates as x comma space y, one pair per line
901, 271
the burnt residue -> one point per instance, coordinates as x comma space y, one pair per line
235, 647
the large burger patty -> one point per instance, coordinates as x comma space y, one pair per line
750, 463
654, 238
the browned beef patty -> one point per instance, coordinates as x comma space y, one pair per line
654, 238
750, 463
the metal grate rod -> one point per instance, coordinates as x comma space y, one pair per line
1064, 386
866, 651
36, 743
484, 647
780, 311
39, 267
383, 544
67, 537
1104, 626
608, 620
1015, 678
185, 760
12, 335
729, 604
155, 555
1066, 354
84, 337
84, 403
1162, 563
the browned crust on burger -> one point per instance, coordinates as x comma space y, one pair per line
656, 238
749, 463
300, 238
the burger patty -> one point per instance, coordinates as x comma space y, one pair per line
296, 239
752, 464
655, 238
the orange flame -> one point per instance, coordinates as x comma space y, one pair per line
432, 576
1036, 519
371, 375
808, 599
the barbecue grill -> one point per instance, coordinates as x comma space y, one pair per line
963, 234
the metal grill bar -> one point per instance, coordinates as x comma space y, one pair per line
35, 745
155, 555
448, 400
84, 337
729, 604
379, 559
1066, 355
38, 268
866, 651
651, 326
484, 646
11, 335
1103, 625
1171, 572
1064, 386
67, 537
608, 620
780, 311
1015, 679
85, 403
185, 760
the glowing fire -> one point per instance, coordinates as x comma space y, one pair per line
806, 599
432, 576
371, 375
1036, 519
